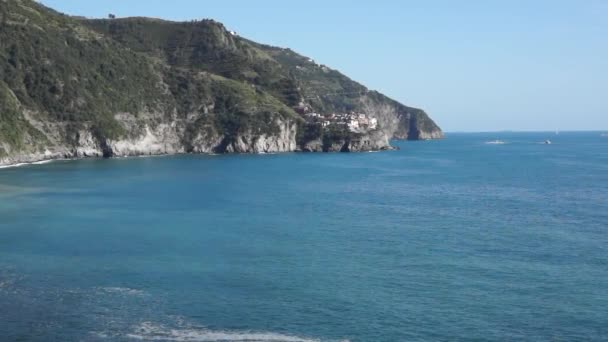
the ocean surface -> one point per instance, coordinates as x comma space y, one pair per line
443, 240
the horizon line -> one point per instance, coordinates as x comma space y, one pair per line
530, 131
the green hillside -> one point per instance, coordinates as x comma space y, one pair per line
191, 84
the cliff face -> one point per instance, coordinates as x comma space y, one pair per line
73, 88
160, 139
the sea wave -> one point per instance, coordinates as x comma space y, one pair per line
26, 164
148, 331
9, 282
121, 290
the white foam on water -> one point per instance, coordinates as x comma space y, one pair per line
12, 165
151, 332
43, 162
26, 164
122, 290
153, 155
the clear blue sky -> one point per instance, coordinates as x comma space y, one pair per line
473, 65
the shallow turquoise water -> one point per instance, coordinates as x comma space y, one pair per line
443, 240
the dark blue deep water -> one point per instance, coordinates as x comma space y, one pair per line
442, 240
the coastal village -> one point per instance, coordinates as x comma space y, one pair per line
355, 122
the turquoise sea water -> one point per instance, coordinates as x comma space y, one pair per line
442, 240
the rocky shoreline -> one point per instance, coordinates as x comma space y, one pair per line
171, 138
38, 159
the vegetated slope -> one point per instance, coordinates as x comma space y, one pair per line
72, 88
295, 79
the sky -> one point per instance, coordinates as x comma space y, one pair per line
473, 65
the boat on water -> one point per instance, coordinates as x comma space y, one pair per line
547, 142
495, 142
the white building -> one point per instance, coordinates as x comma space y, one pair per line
353, 124
313, 115
373, 123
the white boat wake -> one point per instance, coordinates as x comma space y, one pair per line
495, 142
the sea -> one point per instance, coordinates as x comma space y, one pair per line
477, 237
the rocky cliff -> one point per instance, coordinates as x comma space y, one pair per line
73, 88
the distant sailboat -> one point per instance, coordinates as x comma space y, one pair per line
557, 132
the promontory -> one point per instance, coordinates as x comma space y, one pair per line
73, 87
